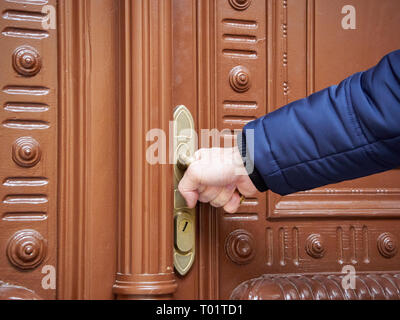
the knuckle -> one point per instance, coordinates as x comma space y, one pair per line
216, 204
230, 209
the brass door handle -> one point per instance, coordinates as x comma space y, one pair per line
184, 217
184, 161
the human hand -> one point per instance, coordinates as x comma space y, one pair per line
216, 176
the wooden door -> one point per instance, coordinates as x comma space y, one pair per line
59, 143
288, 49
84, 215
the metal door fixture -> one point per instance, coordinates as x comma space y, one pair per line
184, 144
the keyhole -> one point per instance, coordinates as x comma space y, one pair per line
184, 227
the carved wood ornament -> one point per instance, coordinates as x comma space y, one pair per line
240, 246
315, 246
26, 152
27, 61
29, 143
26, 249
78, 194
387, 245
319, 287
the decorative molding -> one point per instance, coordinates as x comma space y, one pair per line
283, 50
73, 161
87, 189
294, 246
240, 4
371, 286
145, 265
239, 246
282, 245
29, 146
26, 152
73, 42
13, 292
26, 249
241, 42
387, 245
315, 246
341, 202
310, 47
269, 246
241, 53
208, 225
27, 61
239, 79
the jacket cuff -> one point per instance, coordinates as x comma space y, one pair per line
252, 171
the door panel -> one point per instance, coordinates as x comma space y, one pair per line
78, 101
285, 50
58, 185
28, 64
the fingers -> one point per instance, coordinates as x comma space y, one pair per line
212, 179
209, 193
246, 186
233, 204
191, 189
189, 184
223, 196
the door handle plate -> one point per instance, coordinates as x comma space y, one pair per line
184, 142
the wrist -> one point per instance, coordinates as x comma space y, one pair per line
238, 162
248, 163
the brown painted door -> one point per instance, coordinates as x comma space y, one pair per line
58, 186
85, 216
285, 50
28, 191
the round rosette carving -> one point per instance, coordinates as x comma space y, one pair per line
239, 79
26, 249
315, 246
240, 4
387, 245
26, 152
27, 61
239, 246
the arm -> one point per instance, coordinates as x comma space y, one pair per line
340, 133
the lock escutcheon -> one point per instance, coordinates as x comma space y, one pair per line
184, 218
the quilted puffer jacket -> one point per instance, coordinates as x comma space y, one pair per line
343, 132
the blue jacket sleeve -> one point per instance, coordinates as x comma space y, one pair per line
343, 132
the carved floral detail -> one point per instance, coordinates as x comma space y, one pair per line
26, 249
315, 246
26, 152
239, 79
240, 4
387, 245
14, 292
27, 61
239, 246
318, 287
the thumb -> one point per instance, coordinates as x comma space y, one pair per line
188, 188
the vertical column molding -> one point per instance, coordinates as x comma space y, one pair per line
87, 191
72, 205
310, 47
208, 274
145, 233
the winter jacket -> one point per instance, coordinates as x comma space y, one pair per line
342, 132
